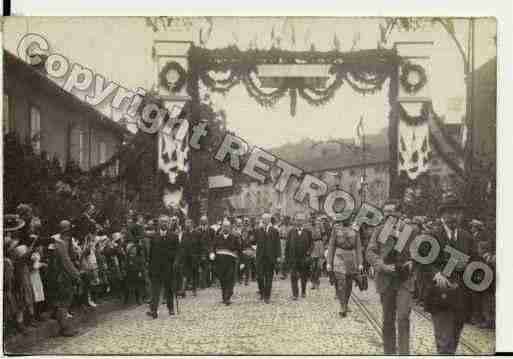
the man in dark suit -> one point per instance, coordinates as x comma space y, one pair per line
447, 297
164, 247
268, 251
193, 249
226, 252
297, 252
394, 282
206, 237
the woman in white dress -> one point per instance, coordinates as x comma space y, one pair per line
37, 284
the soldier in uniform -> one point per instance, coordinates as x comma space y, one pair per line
317, 253
345, 259
225, 252
394, 282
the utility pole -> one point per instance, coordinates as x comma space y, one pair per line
363, 180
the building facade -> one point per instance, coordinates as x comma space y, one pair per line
55, 120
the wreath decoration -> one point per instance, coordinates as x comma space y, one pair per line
407, 69
182, 76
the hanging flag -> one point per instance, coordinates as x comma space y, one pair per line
336, 43
414, 148
358, 138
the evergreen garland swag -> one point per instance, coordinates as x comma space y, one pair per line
365, 71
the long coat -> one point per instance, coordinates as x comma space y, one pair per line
66, 272
298, 246
163, 254
460, 301
268, 245
344, 250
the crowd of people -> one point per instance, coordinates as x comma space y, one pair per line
88, 262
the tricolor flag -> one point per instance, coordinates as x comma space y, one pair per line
358, 136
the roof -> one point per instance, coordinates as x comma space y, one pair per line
301, 155
487, 72
36, 75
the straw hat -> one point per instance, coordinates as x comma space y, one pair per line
13, 222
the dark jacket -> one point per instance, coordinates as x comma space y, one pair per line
268, 245
163, 254
135, 260
378, 254
207, 236
298, 246
230, 244
460, 298
192, 246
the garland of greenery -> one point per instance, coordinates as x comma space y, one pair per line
406, 69
173, 65
365, 71
416, 120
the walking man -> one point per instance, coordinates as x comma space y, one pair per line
267, 253
317, 254
394, 282
193, 248
164, 248
226, 252
447, 298
297, 253
207, 237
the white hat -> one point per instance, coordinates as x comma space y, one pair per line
226, 222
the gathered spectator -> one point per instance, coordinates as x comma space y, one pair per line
11, 305
37, 283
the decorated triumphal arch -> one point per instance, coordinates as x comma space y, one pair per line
415, 132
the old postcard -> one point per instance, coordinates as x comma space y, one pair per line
249, 185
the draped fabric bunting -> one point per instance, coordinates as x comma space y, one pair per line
365, 71
420, 136
173, 162
414, 148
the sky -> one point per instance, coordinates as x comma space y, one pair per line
120, 49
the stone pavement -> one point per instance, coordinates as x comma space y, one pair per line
310, 326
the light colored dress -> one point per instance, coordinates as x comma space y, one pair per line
35, 278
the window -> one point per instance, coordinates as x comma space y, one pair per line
103, 152
82, 154
35, 128
6, 121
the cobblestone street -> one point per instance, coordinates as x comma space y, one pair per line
205, 326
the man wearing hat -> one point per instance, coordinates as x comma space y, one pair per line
164, 247
394, 281
226, 252
447, 298
268, 251
67, 275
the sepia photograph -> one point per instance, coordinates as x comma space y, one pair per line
271, 185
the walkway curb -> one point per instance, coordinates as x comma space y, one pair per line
19, 343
